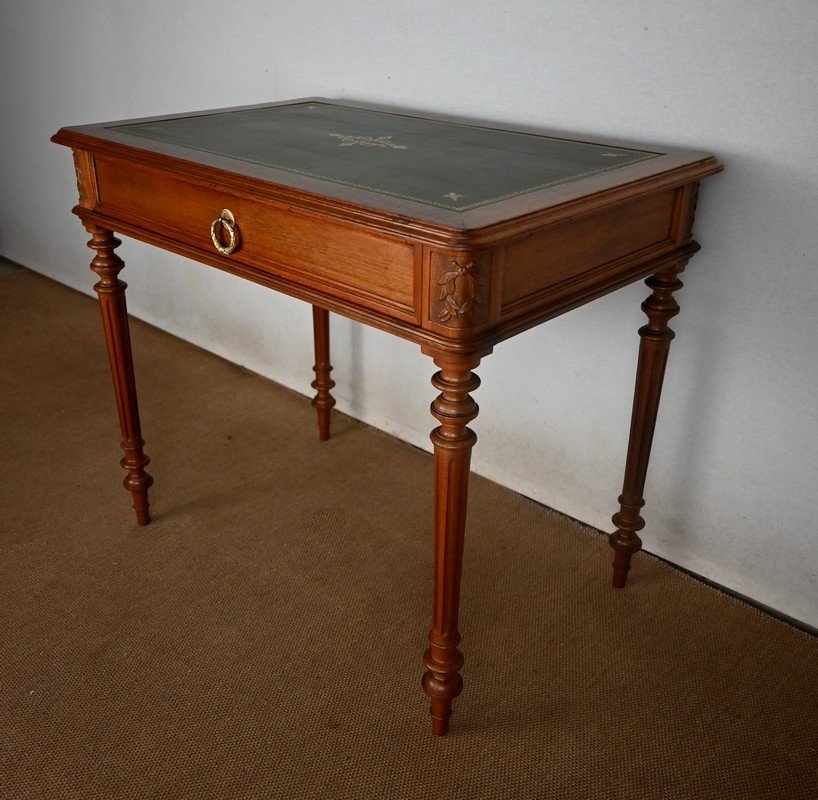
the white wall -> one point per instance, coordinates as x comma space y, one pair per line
731, 493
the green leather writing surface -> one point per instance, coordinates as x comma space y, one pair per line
447, 165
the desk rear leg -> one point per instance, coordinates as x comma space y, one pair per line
323, 401
111, 292
655, 339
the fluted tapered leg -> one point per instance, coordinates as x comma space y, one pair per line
323, 401
453, 441
111, 292
654, 345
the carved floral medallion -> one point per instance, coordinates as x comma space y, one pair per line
78, 170
459, 293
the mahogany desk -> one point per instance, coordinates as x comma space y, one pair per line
452, 235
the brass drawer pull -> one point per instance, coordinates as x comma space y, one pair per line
228, 222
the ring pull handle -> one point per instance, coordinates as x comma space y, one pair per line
227, 221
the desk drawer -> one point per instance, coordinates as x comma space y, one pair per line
374, 270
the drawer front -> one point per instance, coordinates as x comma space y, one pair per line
342, 260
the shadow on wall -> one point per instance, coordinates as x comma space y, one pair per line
698, 327
356, 376
737, 357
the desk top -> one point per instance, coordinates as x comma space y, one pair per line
441, 164
442, 171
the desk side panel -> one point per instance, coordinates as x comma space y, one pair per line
577, 249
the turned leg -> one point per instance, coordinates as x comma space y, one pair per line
323, 400
654, 345
111, 291
454, 408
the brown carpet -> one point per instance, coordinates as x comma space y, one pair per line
263, 637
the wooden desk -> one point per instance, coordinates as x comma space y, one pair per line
453, 235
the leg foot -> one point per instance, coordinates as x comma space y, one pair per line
442, 682
111, 292
137, 482
623, 553
323, 402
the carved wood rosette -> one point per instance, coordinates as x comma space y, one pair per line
84, 170
459, 289
81, 180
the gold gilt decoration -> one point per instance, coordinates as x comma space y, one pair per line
458, 291
453, 196
612, 155
367, 141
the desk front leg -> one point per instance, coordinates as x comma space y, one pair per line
654, 346
453, 441
111, 292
